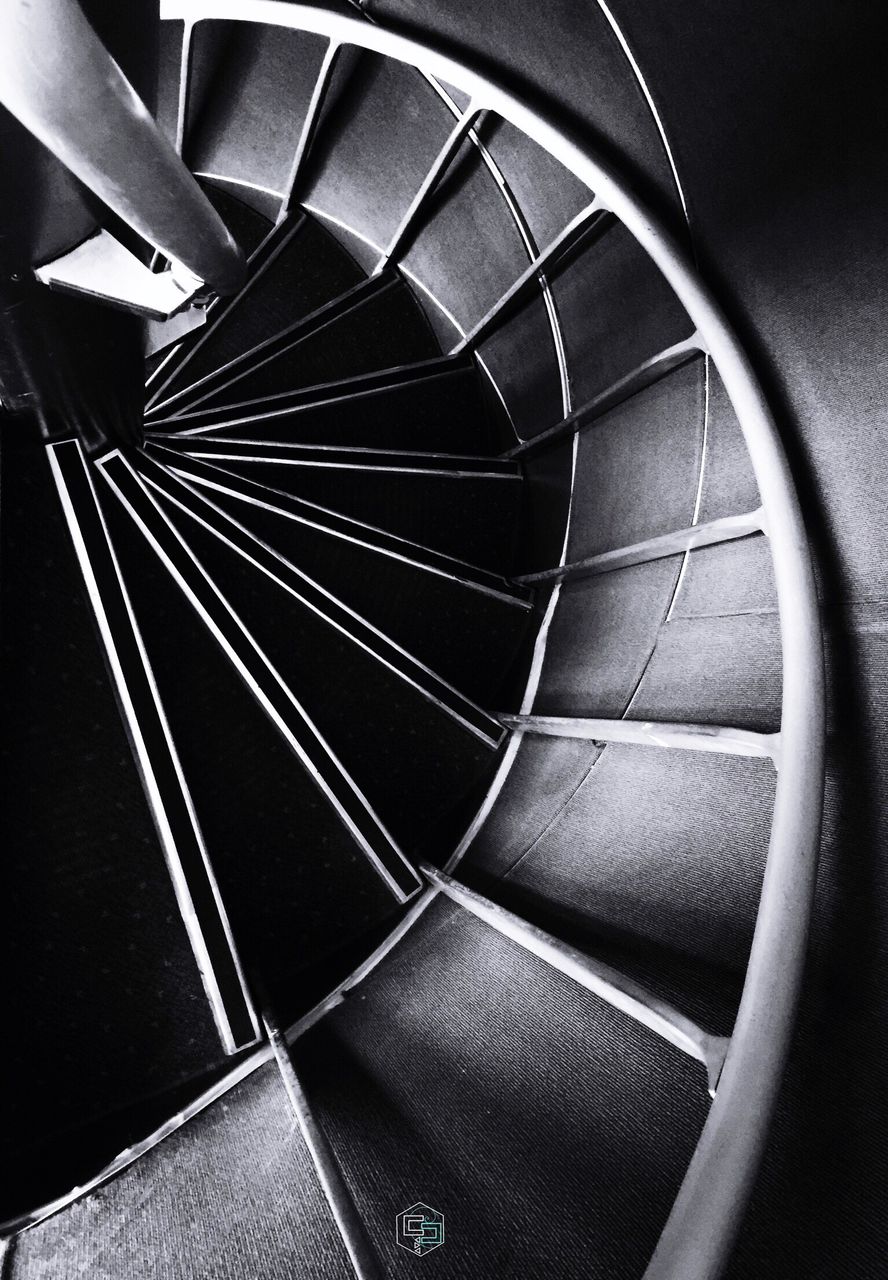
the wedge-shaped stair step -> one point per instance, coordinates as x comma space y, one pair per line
260, 676
375, 325
232, 1192
707, 993
601, 979
323, 603
261, 246
435, 404
463, 1051
298, 269
209, 388
618, 858
593, 221
246, 490
466, 508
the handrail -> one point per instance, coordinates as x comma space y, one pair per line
61, 83
699, 1233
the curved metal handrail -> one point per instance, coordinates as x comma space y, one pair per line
61, 83
699, 1233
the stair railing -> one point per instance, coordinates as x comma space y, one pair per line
61, 83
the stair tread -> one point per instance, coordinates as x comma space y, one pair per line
615, 304
321, 394
52, 1165
619, 855
253, 494
256, 449
463, 1056
705, 992
602, 636
716, 670
232, 1193
259, 83
637, 468
289, 578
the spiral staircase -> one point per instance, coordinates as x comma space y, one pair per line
414, 714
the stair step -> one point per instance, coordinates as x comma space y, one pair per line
637, 469
589, 968
254, 91
232, 1193
622, 323
299, 270
603, 633
709, 993
200, 904
81, 1154
435, 405
619, 857
348, 1220
377, 325
462, 1052
725, 668
285, 336
469, 517
339, 392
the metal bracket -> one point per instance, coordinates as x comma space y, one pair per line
104, 269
